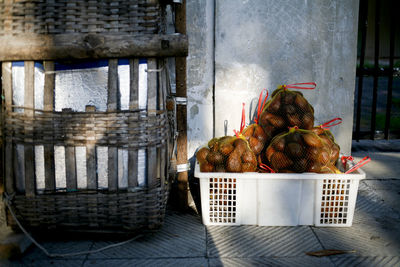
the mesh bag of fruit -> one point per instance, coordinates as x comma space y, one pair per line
287, 108
228, 153
323, 131
254, 133
330, 169
298, 151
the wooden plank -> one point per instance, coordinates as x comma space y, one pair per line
48, 105
134, 84
6, 73
181, 146
91, 173
180, 70
151, 111
132, 168
112, 104
162, 102
152, 86
8, 159
29, 102
93, 46
133, 104
70, 168
112, 97
162, 98
19, 167
70, 163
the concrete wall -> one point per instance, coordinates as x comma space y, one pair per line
200, 72
263, 43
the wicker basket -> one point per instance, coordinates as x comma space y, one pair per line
83, 209
90, 209
134, 17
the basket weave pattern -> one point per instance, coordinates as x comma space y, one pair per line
124, 210
92, 211
136, 17
124, 129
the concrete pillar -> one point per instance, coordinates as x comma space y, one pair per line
263, 43
200, 72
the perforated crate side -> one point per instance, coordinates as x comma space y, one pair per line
220, 201
335, 201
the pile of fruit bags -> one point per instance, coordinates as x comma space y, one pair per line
282, 139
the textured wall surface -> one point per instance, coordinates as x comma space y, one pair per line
260, 44
200, 25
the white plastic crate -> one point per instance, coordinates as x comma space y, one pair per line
278, 199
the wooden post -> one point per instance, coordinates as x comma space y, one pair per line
151, 111
91, 157
180, 69
70, 161
162, 99
48, 103
133, 104
8, 95
112, 104
91, 171
29, 102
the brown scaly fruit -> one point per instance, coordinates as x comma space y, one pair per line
234, 163
201, 155
215, 158
206, 167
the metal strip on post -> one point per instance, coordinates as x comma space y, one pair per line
181, 92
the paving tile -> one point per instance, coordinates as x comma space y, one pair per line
272, 261
255, 241
58, 247
382, 166
384, 184
170, 262
182, 235
345, 260
45, 262
378, 207
369, 205
365, 239
388, 190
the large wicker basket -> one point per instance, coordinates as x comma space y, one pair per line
75, 30
134, 17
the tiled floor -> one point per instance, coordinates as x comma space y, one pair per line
373, 240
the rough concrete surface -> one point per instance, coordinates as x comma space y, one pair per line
244, 46
200, 72
260, 44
